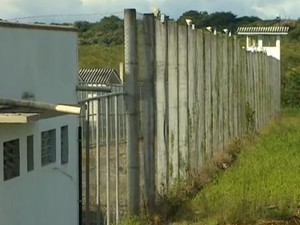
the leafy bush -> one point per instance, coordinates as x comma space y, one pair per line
291, 90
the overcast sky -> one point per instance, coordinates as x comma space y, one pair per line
265, 9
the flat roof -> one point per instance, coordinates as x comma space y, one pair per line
19, 117
37, 26
24, 111
279, 30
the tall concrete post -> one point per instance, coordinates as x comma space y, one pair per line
148, 109
131, 102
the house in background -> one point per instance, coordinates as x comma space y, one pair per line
103, 77
266, 39
99, 76
38, 133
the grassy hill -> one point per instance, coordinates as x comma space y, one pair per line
100, 56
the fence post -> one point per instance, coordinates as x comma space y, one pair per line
173, 100
148, 106
87, 164
278, 65
235, 88
208, 96
193, 112
230, 89
161, 89
225, 91
214, 94
183, 100
200, 138
221, 86
131, 101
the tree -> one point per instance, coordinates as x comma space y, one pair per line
198, 18
294, 33
108, 31
82, 26
110, 23
246, 20
222, 20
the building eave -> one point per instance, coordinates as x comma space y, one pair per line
25, 111
262, 33
38, 26
271, 30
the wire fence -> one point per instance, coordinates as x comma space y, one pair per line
65, 18
103, 160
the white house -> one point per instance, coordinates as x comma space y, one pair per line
38, 139
102, 78
266, 39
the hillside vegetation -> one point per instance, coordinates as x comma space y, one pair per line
101, 43
101, 56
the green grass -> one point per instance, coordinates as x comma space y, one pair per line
264, 183
100, 56
261, 187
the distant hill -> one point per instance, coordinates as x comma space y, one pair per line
101, 43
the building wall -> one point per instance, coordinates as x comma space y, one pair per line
271, 51
48, 194
42, 63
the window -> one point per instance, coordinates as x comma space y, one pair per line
11, 159
253, 41
64, 144
30, 154
269, 41
48, 147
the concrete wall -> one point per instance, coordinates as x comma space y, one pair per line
43, 63
216, 92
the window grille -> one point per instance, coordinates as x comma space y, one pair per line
269, 41
253, 41
11, 159
30, 153
64, 144
48, 147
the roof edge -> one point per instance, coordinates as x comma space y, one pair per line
38, 26
262, 33
270, 30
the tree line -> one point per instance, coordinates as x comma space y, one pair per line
109, 31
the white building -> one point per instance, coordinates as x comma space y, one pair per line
103, 78
38, 140
266, 39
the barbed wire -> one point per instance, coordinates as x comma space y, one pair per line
65, 15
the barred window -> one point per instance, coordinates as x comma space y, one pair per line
48, 147
11, 159
269, 41
30, 153
64, 144
253, 41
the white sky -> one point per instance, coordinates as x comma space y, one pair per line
265, 9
